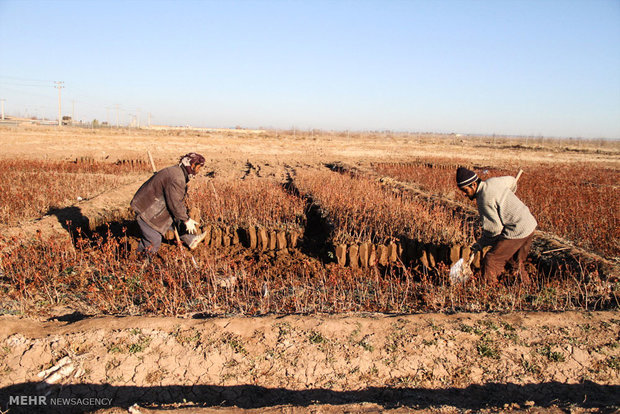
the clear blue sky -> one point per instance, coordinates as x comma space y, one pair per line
537, 67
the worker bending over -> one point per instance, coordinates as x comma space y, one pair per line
160, 202
507, 223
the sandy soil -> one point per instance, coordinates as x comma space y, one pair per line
464, 361
518, 362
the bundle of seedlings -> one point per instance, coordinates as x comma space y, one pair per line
259, 211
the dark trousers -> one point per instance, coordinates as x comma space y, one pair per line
150, 240
504, 250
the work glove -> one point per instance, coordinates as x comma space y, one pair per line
190, 226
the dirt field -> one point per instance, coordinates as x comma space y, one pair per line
464, 362
422, 362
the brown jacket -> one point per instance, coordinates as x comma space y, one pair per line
161, 198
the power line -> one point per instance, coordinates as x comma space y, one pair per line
24, 79
24, 84
59, 85
25, 93
23, 87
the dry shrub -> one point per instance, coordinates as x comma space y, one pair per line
360, 209
103, 276
245, 203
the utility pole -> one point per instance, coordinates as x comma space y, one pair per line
117, 115
138, 116
59, 85
107, 115
2, 103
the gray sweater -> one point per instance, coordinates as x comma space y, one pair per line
503, 214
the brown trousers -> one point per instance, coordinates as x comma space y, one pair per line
504, 250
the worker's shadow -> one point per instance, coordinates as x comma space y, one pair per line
70, 218
493, 397
79, 227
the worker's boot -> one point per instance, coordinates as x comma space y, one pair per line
523, 274
193, 240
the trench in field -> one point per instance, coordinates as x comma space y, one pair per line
315, 241
318, 229
401, 254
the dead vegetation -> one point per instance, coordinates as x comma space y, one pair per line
280, 245
413, 214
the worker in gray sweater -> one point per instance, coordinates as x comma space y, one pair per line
507, 223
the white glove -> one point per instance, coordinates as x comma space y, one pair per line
190, 225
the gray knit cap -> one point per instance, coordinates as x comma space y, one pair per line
465, 177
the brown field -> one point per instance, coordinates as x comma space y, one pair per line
322, 286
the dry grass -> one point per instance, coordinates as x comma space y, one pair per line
31, 188
105, 277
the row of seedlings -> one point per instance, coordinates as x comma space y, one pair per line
375, 225
256, 213
253, 237
409, 252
